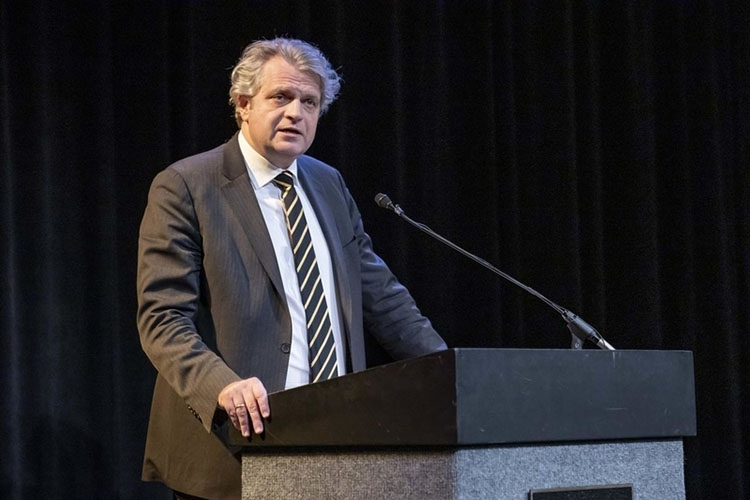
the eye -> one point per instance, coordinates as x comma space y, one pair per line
279, 98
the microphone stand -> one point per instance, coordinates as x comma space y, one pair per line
580, 330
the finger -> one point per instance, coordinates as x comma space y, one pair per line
240, 410
254, 414
233, 417
256, 418
261, 397
225, 400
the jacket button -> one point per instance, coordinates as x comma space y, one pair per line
285, 348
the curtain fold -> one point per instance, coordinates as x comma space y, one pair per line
599, 152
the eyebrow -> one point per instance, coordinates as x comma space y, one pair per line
288, 90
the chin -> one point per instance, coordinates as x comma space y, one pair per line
291, 153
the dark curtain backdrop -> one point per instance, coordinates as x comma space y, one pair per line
599, 151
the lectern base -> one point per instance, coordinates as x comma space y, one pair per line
655, 468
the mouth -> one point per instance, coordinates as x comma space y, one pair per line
293, 131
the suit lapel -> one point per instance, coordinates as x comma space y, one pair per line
316, 193
240, 195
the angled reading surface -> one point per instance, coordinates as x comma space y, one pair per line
490, 396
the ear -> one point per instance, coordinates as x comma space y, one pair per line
243, 104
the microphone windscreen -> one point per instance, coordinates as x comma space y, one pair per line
383, 201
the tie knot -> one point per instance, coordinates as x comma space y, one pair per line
284, 181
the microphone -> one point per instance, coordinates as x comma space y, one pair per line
579, 329
384, 201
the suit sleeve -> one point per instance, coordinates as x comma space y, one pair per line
169, 269
388, 309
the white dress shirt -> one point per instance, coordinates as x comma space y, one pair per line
261, 173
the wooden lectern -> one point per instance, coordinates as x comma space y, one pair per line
480, 424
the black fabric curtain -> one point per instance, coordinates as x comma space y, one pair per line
599, 151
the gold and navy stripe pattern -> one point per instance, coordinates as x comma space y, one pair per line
322, 347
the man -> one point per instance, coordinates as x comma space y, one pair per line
255, 274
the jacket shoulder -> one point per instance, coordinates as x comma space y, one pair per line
199, 163
320, 172
313, 165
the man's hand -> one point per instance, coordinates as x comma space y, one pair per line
245, 401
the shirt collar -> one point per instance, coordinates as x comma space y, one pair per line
261, 171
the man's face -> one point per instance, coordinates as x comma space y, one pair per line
280, 121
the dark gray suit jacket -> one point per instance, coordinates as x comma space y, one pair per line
212, 308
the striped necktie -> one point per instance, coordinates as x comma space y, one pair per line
322, 348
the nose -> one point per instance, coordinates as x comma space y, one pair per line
293, 110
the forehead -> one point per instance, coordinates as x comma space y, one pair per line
279, 73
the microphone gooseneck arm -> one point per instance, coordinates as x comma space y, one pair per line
580, 329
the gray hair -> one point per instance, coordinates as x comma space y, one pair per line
247, 74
